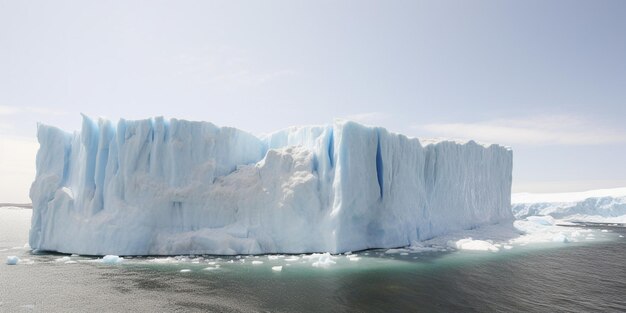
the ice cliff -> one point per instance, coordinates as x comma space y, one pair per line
158, 187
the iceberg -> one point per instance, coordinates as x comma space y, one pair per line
168, 187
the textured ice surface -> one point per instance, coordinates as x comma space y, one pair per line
164, 187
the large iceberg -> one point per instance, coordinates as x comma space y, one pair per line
162, 187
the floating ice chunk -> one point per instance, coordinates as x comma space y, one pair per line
404, 253
473, 245
164, 260
277, 268
508, 247
63, 259
74, 255
353, 257
12, 260
210, 268
71, 262
605, 230
186, 270
396, 251
112, 259
321, 259
255, 262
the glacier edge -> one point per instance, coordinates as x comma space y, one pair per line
163, 187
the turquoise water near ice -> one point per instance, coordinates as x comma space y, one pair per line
572, 277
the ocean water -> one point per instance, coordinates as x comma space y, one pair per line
555, 277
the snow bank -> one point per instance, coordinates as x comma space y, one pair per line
166, 187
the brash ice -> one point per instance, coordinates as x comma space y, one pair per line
162, 187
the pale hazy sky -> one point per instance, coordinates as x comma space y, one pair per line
547, 78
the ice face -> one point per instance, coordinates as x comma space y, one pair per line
163, 187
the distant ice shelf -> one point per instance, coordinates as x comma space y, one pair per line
596, 206
166, 187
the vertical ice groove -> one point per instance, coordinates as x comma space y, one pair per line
331, 148
379, 164
89, 138
106, 134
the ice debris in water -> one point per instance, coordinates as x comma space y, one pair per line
257, 262
63, 259
474, 245
12, 260
321, 259
112, 259
277, 268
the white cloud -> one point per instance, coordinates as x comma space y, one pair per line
546, 130
368, 117
8, 110
12, 110
17, 168
44, 111
224, 66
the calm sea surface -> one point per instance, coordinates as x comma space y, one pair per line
572, 277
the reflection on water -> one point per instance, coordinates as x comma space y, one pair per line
553, 277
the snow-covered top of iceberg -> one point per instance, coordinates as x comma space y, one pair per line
438, 140
299, 131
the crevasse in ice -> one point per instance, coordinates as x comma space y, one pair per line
162, 187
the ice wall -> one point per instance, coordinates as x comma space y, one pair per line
161, 186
